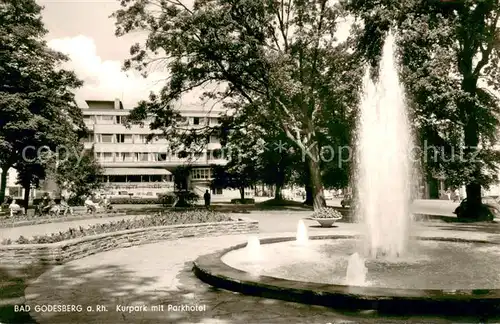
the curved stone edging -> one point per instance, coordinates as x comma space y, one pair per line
22, 255
210, 269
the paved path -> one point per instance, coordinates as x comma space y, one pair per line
271, 221
160, 274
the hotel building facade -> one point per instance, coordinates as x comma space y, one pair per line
134, 167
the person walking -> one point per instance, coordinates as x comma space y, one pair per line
206, 196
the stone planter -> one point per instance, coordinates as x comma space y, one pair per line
326, 222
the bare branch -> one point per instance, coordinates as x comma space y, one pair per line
485, 54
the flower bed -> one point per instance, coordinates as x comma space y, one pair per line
26, 220
172, 218
78, 243
326, 212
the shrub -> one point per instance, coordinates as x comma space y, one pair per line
326, 212
186, 198
167, 200
244, 201
171, 218
134, 201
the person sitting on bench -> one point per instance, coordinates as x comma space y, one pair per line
45, 204
90, 205
15, 208
65, 207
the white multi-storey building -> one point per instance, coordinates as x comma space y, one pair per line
133, 166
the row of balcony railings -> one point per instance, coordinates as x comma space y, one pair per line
121, 120
159, 158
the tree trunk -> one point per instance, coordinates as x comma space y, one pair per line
3, 183
280, 182
277, 193
242, 194
307, 184
27, 188
474, 208
315, 179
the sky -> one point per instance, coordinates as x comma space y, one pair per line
83, 30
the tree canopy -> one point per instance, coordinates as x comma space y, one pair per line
449, 56
37, 107
279, 57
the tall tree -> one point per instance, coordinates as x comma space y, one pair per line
449, 52
36, 100
244, 134
77, 172
279, 56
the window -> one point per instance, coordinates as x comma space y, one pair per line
201, 174
120, 138
214, 121
155, 178
141, 157
162, 156
106, 138
196, 120
182, 154
127, 138
214, 154
105, 119
107, 156
121, 120
139, 139
127, 157
198, 154
134, 178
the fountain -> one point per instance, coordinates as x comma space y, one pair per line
253, 247
384, 168
302, 237
445, 272
356, 271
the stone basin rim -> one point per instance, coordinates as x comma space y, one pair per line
211, 269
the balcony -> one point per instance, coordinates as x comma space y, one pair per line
131, 147
138, 185
169, 162
121, 129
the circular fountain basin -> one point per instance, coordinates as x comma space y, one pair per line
437, 275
